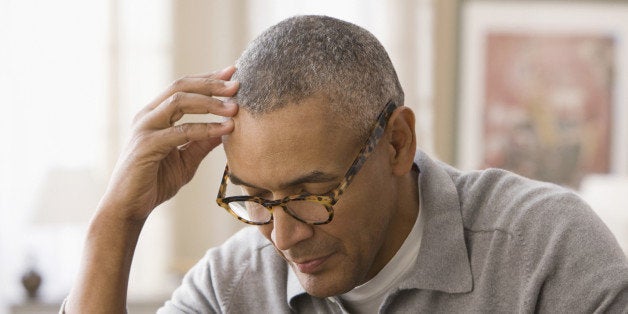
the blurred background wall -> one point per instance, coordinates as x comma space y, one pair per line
73, 74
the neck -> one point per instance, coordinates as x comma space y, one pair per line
406, 210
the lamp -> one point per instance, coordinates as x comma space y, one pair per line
66, 197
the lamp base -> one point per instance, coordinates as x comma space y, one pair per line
31, 280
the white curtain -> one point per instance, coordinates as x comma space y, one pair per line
52, 61
72, 73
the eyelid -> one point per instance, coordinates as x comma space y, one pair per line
326, 191
299, 192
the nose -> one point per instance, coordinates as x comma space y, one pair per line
288, 231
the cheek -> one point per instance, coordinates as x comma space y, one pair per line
366, 210
364, 221
367, 200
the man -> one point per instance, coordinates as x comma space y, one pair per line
321, 156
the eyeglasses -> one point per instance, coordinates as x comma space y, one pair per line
308, 208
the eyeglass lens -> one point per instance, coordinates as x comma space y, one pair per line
307, 211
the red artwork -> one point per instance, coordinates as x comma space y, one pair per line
548, 105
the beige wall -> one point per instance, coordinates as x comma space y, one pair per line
208, 36
445, 78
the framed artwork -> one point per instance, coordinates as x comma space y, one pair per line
543, 88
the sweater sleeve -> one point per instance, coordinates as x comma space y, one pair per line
208, 286
244, 275
195, 294
575, 264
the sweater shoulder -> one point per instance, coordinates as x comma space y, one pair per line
499, 199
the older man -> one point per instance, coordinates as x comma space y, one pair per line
321, 156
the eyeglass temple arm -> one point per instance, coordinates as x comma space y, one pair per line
369, 145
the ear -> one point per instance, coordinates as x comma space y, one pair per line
402, 140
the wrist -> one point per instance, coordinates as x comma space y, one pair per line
116, 221
124, 209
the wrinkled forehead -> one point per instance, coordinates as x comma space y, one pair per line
288, 142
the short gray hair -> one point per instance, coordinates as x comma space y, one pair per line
318, 56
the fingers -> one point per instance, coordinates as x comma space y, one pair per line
224, 74
211, 84
191, 132
190, 95
155, 124
182, 103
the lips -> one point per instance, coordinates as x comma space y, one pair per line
311, 266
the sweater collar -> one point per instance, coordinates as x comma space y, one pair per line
443, 263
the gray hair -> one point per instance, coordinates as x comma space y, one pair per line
318, 56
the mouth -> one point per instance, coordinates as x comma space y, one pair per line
312, 265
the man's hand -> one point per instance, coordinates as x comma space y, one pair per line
161, 157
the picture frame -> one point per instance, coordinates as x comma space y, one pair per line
542, 88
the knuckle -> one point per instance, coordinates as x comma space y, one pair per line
210, 130
209, 80
140, 141
184, 130
141, 137
176, 98
193, 132
138, 116
180, 83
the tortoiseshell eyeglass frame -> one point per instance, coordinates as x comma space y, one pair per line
328, 200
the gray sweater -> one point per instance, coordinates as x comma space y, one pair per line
492, 242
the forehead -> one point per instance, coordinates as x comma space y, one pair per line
289, 142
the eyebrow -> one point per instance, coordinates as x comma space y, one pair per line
314, 176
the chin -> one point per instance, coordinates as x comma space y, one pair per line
325, 284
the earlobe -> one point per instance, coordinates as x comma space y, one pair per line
402, 139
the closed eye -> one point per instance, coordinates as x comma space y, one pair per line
325, 189
249, 191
